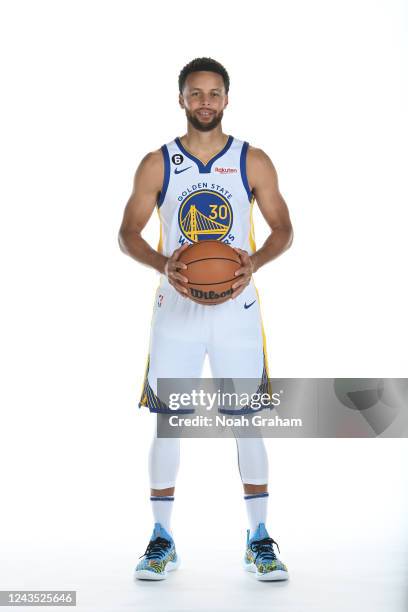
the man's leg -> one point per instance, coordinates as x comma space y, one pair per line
238, 351
164, 462
253, 468
260, 556
176, 350
161, 556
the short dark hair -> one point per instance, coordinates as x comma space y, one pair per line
203, 63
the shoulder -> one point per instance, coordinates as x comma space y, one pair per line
259, 166
152, 160
258, 157
152, 166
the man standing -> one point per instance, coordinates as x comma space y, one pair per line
221, 177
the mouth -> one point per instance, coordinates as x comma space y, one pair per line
205, 114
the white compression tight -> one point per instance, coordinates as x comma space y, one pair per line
252, 460
164, 461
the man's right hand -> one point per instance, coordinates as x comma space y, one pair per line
172, 265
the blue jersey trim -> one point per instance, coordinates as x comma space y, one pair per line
242, 164
204, 168
167, 498
166, 177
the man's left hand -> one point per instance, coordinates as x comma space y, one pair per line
244, 273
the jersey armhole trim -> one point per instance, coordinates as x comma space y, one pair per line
242, 165
166, 178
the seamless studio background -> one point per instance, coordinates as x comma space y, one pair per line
88, 89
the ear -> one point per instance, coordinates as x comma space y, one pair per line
181, 100
226, 101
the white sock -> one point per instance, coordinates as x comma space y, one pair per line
162, 508
257, 506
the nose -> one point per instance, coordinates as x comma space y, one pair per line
205, 100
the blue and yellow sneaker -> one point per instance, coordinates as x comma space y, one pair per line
260, 556
159, 558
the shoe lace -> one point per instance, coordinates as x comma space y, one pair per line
156, 548
264, 548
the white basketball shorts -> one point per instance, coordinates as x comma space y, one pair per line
183, 332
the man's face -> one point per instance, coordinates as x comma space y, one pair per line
204, 99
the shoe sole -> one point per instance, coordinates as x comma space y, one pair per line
148, 575
269, 576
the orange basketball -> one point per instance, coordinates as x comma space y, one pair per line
210, 271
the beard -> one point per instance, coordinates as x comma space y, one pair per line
204, 127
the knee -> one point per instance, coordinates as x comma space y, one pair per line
251, 489
162, 492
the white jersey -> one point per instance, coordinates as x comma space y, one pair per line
201, 202
205, 201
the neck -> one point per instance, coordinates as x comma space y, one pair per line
204, 141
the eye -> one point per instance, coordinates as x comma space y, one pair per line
215, 93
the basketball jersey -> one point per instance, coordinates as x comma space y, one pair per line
197, 202
209, 201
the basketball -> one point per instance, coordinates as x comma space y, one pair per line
210, 271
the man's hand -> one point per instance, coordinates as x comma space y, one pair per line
245, 273
171, 268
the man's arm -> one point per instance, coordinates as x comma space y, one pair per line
263, 181
146, 187
147, 184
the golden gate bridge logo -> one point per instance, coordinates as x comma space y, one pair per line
205, 215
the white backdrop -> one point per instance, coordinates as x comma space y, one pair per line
88, 89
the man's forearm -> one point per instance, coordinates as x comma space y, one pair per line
136, 247
276, 243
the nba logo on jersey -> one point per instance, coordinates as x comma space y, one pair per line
209, 201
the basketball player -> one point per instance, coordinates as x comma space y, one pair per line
221, 177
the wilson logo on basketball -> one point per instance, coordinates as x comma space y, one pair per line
201, 296
225, 170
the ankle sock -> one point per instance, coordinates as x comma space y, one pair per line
257, 506
162, 507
